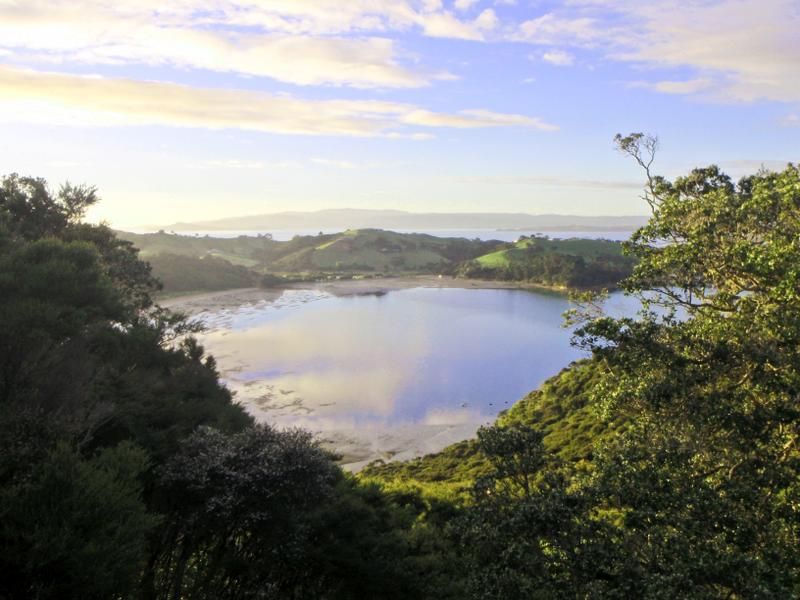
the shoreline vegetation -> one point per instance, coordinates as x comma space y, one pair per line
350, 287
203, 263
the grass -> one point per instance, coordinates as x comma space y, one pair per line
560, 409
573, 247
495, 260
368, 250
362, 251
235, 259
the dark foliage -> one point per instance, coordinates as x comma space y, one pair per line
179, 273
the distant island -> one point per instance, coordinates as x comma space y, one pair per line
348, 218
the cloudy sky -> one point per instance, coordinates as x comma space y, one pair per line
194, 109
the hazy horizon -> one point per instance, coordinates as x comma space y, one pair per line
340, 219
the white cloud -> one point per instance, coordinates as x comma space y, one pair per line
487, 20
738, 50
464, 4
446, 25
689, 86
431, 5
750, 48
558, 58
298, 59
30, 96
304, 42
551, 29
468, 119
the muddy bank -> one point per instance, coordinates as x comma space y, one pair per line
209, 301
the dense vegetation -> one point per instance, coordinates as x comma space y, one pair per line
573, 263
355, 250
182, 273
665, 466
562, 412
127, 470
682, 477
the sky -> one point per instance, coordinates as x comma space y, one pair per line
185, 110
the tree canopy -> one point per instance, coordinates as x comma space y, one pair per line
698, 496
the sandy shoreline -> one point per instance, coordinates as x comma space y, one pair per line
191, 304
372, 286
399, 443
357, 447
207, 301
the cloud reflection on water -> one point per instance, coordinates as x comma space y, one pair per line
332, 362
420, 356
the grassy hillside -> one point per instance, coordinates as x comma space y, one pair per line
559, 408
190, 274
521, 250
356, 251
375, 250
571, 263
242, 250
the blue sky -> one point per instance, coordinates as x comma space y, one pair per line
199, 109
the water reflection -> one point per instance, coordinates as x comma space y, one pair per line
419, 356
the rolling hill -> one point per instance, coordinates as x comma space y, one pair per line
354, 250
375, 250
560, 409
571, 263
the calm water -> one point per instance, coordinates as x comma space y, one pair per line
424, 356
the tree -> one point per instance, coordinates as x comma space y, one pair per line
75, 527
703, 489
698, 496
29, 210
97, 389
523, 537
238, 511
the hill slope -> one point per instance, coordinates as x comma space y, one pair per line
570, 263
354, 250
370, 250
559, 408
179, 273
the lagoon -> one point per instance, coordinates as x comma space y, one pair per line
421, 357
